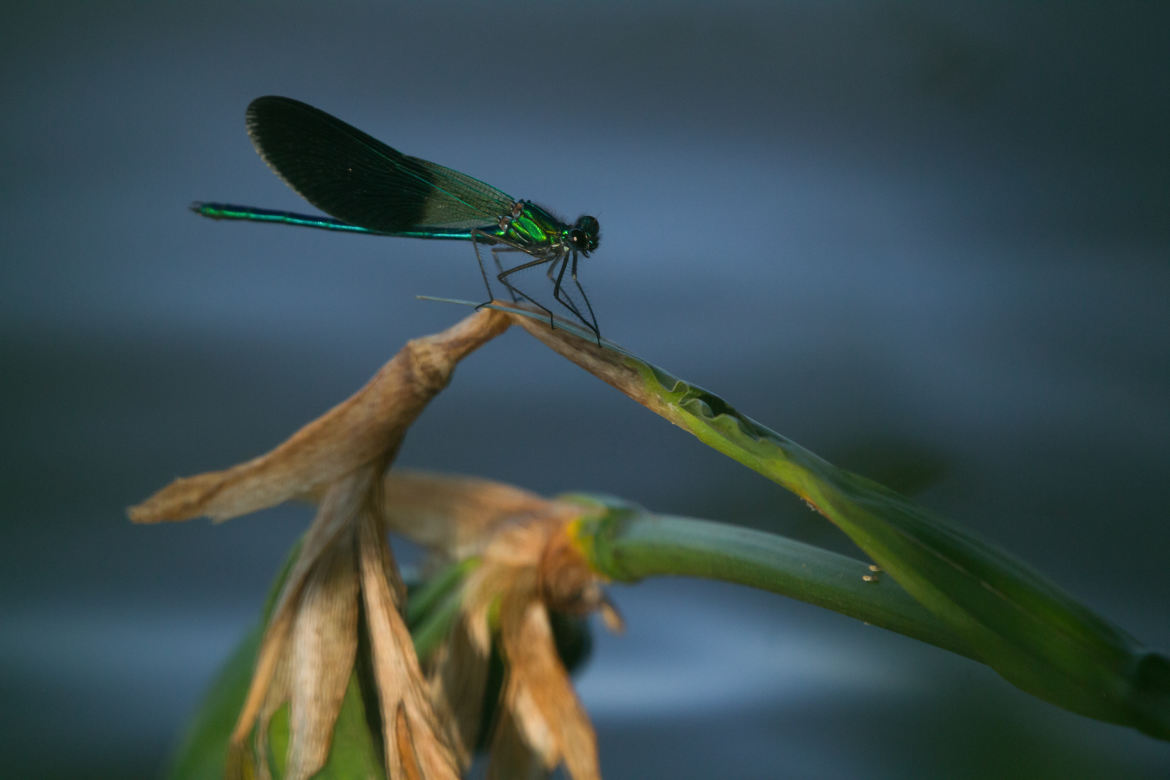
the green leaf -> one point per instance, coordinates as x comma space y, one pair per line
1000, 611
1009, 616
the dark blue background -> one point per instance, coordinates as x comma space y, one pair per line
925, 240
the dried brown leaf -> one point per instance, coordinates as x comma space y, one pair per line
457, 515
515, 757
396, 669
323, 644
458, 678
524, 568
539, 695
331, 529
275, 697
368, 426
310, 643
406, 750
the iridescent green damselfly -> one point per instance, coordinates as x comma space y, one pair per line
367, 187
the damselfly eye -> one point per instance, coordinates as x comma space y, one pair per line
584, 233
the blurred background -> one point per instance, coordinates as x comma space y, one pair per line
929, 241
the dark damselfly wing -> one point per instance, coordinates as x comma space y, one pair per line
358, 179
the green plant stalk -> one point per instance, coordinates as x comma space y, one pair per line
628, 544
438, 588
434, 608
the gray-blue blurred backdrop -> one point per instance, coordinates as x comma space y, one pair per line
929, 241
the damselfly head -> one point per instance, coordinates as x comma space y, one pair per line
583, 235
